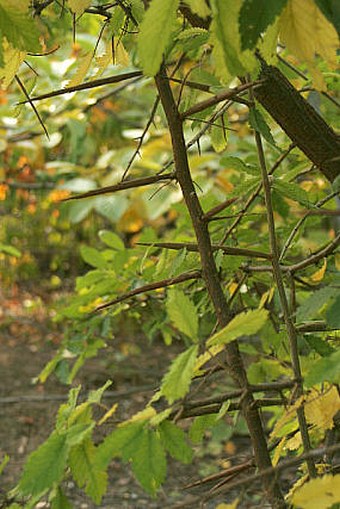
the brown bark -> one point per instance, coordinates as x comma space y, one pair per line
300, 121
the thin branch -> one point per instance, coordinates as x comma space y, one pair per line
256, 193
291, 332
29, 100
210, 275
284, 465
121, 186
221, 398
30, 185
314, 258
301, 221
311, 260
221, 96
44, 398
186, 276
214, 408
141, 138
86, 86
237, 251
221, 206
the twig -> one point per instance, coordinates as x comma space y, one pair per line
86, 86
311, 260
29, 100
255, 194
186, 276
214, 408
284, 465
44, 398
292, 335
121, 186
221, 96
301, 221
141, 138
189, 246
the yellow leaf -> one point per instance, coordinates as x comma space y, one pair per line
122, 56
143, 415
104, 60
294, 443
228, 506
84, 65
13, 58
288, 417
108, 414
306, 33
319, 274
78, 6
206, 356
319, 493
278, 450
321, 408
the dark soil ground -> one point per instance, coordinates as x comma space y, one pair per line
28, 339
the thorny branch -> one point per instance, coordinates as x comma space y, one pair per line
186, 276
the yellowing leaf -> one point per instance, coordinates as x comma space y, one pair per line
287, 417
319, 274
78, 6
321, 408
244, 324
143, 415
337, 261
84, 65
294, 443
278, 450
306, 32
108, 414
206, 356
176, 381
104, 60
122, 56
319, 493
13, 58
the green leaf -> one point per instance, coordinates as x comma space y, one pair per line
225, 11
258, 123
324, 370
155, 31
45, 466
10, 250
333, 314
93, 257
176, 381
149, 461
4, 463
244, 324
96, 396
60, 501
219, 137
117, 441
311, 306
174, 441
255, 17
200, 424
319, 345
292, 191
19, 29
111, 239
77, 433
183, 314
238, 164
86, 472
